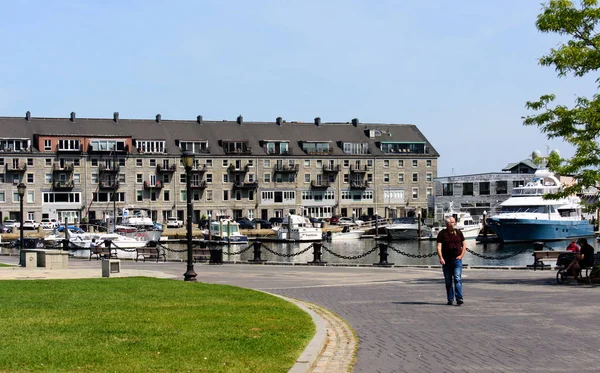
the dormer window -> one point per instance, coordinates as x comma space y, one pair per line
150, 146
397, 147
14, 145
200, 146
69, 145
277, 147
356, 148
236, 147
317, 147
107, 145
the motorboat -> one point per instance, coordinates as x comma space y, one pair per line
138, 218
407, 228
527, 216
225, 231
345, 234
298, 228
464, 222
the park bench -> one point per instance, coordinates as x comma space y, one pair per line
201, 254
150, 253
540, 257
102, 251
585, 273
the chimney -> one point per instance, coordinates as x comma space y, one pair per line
240, 119
72, 116
355, 122
199, 119
28, 115
279, 120
318, 121
116, 116
157, 118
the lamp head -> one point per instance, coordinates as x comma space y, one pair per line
187, 158
21, 189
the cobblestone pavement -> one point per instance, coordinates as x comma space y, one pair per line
512, 320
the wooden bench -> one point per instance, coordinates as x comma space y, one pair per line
201, 254
542, 256
102, 252
151, 253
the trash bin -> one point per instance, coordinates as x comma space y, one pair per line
30, 259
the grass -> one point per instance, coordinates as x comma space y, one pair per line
146, 325
7, 265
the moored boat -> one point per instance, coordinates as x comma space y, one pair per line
407, 228
298, 228
226, 231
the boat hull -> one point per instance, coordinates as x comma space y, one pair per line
408, 233
232, 240
300, 235
523, 230
354, 235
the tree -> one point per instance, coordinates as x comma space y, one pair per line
580, 125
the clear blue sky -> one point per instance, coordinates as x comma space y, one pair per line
460, 70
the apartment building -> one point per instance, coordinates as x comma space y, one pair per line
89, 167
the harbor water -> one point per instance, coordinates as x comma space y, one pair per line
355, 248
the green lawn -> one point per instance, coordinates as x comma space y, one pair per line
7, 265
146, 325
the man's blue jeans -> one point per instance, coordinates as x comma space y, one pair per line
453, 271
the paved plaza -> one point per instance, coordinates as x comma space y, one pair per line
512, 320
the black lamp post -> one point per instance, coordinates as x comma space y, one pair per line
187, 157
21, 190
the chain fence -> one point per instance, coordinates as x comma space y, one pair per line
286, 255
348, 257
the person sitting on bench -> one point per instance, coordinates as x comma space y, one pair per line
573, 247
584, 259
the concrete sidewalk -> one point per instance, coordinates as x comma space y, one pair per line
512, 320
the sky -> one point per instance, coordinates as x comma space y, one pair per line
461, 71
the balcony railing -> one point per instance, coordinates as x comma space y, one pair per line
91, 149
109, 184
359, 184
280, 152
104, 168
286, 168
329, 168
68, 167
232, 168
63, 185
170, 168
199, 168
156, 185
198, 184
321, 185
319, 151
241, 185
359, 169
242, 151
69, 151
16, 168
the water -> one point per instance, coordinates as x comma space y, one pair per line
359, 247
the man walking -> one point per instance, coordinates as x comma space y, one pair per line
451, 247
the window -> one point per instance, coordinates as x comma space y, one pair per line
209, 178
501, 187
369, 163
346, 163
150, 146
107, 145
182, 178
77, 178
386, 163
415, 193
68, 145
307, 163
48, 178
467, 189
484, 188
447, 189
94, 162
1, 178
225, 163
30, 178
15, 196
225, 178
47, 144
48, 161
319, 164
428, 163
2, 196
94, 178
166, 179
369, 178
250, 163
267, 178
225, 195
307, 178
29, 161
386, 178
250, 195
139, 178
208, 163
346, 178
153, 163
122, 178
429, 177
251, 178
30, 196
415, 163
267, 163
238, 195
121, 162
415, 177
182, 196
401, 177
209, 195
139, 163
428, 192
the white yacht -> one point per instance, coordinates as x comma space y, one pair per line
407, 228
464, 222
298, 228
226, 231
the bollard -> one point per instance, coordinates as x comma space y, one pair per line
383, 255
317, 255
216, 256
256, 259
65, 244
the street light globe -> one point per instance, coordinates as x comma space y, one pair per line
21, 189
187, 158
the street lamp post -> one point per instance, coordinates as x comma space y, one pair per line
187, 157
21, 190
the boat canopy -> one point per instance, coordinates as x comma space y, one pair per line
531, 201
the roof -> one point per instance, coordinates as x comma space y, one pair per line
213, 131
527, 162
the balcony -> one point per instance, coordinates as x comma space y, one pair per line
244, 169
359, 170
332, 169
321, 185
63, 185
199, 169
77, 150
91, 149
156, 185
280, 152
286, 169
104, 169
198, 184
355, 184
68, 167
239, 151
240, 185
110, 184
20, 168
163, 169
